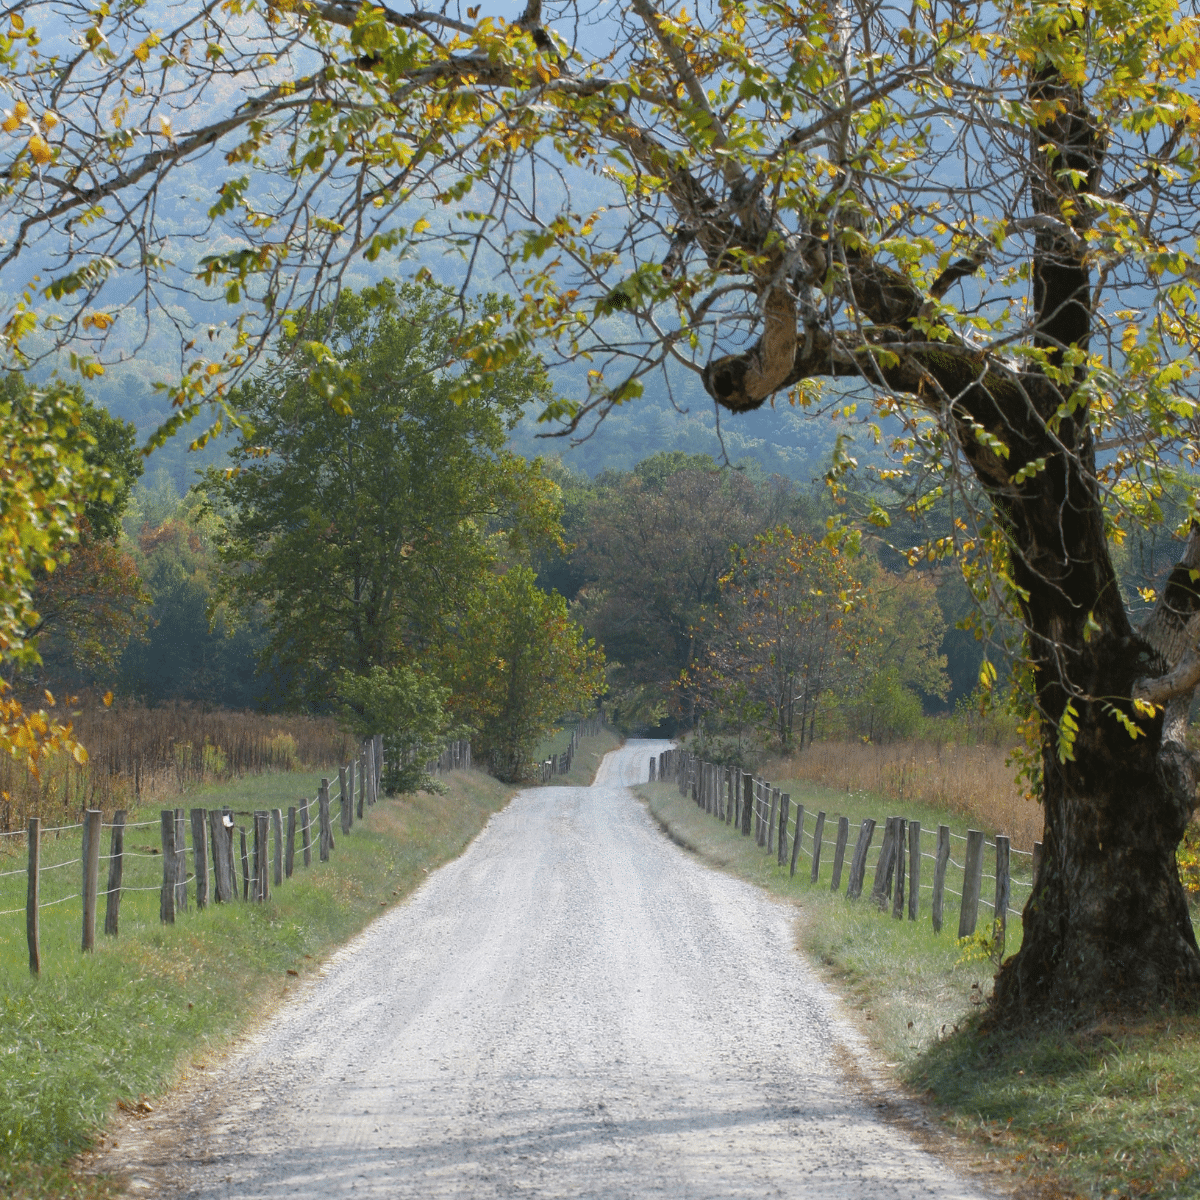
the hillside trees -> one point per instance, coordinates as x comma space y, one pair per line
194, 648
979, 219
652, 546
801, 625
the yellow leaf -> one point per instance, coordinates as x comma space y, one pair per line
40, 149
108, 699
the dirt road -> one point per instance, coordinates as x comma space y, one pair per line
575, 1007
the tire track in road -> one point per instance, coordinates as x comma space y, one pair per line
573, 1008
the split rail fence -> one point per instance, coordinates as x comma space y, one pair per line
756, 808
269, 843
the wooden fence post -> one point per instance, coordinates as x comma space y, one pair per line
839, 852
939, 876
1000, 909
277, 843
222, 852
262, 870
289, 857
901, 847
914, 869
797, 840
972, 879
91, 874
305, 833
180, 862
858, 864
818, 836
730, 794
199, 818
882, 891
362, 782
346, 778
747, 802
785, 806
166, 903
325, 832
116, 869
771, 820
245, 862
32, 894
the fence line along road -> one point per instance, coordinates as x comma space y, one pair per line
266, 849
755, 808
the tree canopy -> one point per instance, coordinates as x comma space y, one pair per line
362, 530
976, 220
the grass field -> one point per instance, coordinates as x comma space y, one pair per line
974, 782
1107, 1111
116, 1025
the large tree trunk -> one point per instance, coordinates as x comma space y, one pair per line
1107, 926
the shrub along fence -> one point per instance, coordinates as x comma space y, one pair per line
560, 764
268, 845
751, 805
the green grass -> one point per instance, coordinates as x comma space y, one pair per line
118, 1024
587, 757
1106, 1111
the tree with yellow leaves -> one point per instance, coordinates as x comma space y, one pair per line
976, 221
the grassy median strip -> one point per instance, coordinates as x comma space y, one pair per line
115, 1026
1107, 1111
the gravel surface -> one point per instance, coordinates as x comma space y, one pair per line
575, 1007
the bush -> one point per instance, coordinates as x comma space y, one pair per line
408, 709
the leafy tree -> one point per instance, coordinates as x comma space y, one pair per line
518, 665
898, 665
785, 633
363, 529
978, 217
90, 607
409, 709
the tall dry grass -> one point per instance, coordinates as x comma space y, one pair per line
971, 780
139, 755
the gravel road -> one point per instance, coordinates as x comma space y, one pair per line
574, 1008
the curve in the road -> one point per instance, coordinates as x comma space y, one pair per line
573, 1008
